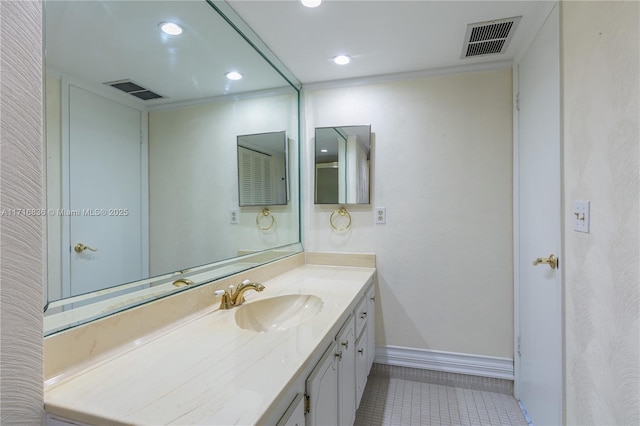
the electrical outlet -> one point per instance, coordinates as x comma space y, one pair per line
234, 216
581, 216
381, 215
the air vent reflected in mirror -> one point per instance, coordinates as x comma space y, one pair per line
134, 89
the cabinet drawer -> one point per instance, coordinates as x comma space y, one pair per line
361, 315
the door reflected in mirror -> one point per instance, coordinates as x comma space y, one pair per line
262, 169
342, 165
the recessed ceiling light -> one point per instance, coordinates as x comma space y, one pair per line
324, 150
311, 3
233, 75
170, 28
342, 59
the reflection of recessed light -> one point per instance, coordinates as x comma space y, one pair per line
170, 28
324, 150
342, 59
233, 75
311, 3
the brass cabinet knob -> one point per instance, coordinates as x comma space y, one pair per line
552, 261
79, 248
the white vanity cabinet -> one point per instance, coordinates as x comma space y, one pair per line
292, 376
321, 403
335, 386
365, 346
346, 355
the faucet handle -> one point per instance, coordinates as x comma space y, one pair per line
225, 301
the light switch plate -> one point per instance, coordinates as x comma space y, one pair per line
234, 216
380, 215
581, 216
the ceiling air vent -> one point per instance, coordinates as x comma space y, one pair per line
134, 89
489, 38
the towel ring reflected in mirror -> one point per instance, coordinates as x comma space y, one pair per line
260, 220
336, 215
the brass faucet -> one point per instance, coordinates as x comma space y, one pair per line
236, 297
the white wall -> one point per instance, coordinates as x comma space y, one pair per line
22, 258
442, 166
602, 286
193, 181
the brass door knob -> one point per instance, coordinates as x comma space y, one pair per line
552, 261
79, 248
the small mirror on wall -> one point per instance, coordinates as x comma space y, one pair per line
262, 169
342, 160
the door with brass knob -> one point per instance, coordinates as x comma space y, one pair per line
106, 149
538, 290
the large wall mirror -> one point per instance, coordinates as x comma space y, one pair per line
145, 101
342, 165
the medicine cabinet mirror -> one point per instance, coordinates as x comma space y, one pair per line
142, 130
262, 169
342, 164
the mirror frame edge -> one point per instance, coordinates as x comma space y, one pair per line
237, 23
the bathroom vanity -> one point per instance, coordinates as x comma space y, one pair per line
134, 329
298, 353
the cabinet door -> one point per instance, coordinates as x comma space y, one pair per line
361, 315
362, 366
371, 326
321, 391
294, 416
346, 351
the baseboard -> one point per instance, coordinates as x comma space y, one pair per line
450, 362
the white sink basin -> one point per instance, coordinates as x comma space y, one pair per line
278, 313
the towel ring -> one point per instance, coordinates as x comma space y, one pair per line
337, 213
265, 213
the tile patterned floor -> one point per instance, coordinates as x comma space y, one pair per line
394, 402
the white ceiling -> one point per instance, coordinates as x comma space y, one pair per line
383, 37
101, 41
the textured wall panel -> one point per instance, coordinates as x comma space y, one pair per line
601, 93
21, 235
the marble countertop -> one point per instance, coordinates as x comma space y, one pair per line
209, 370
